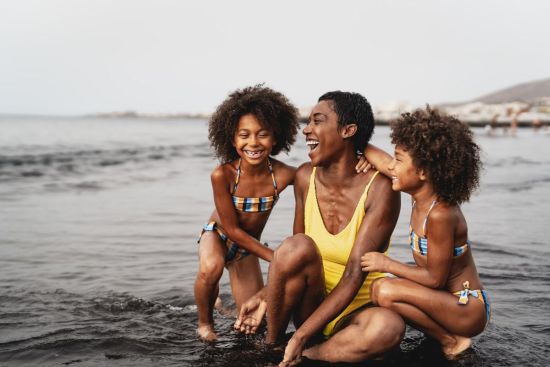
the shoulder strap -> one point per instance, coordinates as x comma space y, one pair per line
371, 181
363, 197
426, 219
272, 176
237, 177
311, 185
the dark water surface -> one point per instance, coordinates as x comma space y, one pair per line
98, 227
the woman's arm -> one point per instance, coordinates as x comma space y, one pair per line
228, 217
439, 258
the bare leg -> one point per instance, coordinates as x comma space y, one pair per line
369, 333
295, 284
211, 263
246, 279
435, 312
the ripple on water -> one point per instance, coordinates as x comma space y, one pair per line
111, 326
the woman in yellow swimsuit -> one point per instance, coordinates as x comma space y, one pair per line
315, 276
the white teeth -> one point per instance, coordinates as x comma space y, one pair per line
254, 154
312, 144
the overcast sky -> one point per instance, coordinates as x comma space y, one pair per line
75, 56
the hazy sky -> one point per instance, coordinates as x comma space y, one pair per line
77, 56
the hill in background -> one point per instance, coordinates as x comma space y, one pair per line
525, 92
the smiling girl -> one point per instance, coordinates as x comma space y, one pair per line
437, 162
249, 127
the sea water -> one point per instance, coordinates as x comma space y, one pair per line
99, 219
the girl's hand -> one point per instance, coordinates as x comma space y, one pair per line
293, 352
363, 165
374, 261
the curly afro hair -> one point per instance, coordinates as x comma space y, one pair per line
271, 108
353, 108
444, 148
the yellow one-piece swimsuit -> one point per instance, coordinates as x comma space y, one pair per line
335, 249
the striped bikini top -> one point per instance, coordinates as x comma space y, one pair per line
419, 244
254, 205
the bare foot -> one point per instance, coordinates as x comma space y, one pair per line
312, 353
461, 344
218, 304
222, 310
206, 333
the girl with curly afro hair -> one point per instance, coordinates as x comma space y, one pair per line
248, 128
438, 163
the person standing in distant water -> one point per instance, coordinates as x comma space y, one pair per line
251, 125
437, 162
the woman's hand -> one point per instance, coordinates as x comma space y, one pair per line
374, 261
251, 314
293, 352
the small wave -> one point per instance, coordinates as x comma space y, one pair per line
64, 328
491, 249
65, 163
518, 186
88, 185
514, 161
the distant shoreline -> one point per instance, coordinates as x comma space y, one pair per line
378, 122
483, 123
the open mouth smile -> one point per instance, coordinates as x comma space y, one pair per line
253, 153
312, 144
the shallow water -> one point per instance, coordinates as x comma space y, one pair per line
98, 227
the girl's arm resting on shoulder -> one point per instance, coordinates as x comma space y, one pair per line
378, 158
228, 218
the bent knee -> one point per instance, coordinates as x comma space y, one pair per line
383, 292
296, 251
211, 270
385, 329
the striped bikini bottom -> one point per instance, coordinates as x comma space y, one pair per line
234, 252
480, 294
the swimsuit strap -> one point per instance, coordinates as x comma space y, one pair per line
239, 176
272, 176
426, 219
411, 218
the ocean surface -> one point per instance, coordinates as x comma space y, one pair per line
99, 219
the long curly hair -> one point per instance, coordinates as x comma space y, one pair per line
271, 108
444, 148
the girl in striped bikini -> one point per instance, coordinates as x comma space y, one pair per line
251, 125
436, 162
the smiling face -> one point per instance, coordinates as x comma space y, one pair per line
322, 132
252, 140
405, 176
